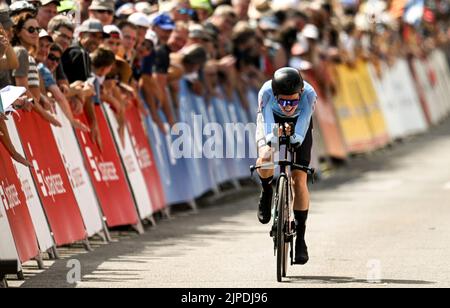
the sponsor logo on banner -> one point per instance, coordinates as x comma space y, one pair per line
9, 196
102, 171
50, 184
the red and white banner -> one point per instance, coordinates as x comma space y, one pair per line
107, 175
13, 203
50, 178
7, 247
132, 169
78, 176
35, 208
144, 154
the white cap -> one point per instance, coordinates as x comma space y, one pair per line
127, 9
151, 36
139, 19
109, 29
300, 64
311, 31
143, 7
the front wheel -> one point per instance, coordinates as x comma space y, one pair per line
282, 246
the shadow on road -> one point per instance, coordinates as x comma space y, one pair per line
348, 280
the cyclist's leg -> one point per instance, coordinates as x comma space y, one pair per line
265, 155
301, 197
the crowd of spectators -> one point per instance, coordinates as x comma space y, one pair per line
78, 53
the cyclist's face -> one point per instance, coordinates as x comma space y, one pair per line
289, 110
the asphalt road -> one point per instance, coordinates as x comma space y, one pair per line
382, 221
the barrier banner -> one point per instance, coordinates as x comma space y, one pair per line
441, 68
422, 93
376, 120
172, 170
222, 116
351, 112
13, 205
107, 175
130, 162
221, 172
7, 247
208, 162
193, 145
145, 157
387, 98
50, 178
327, 122
235, 148
78, 176
252, 97
437, 108
33, 200
412, 114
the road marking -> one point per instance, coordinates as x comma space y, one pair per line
447, 186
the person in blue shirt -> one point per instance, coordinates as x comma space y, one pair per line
287, 98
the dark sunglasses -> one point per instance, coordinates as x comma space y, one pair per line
288, 102
53, 58
104, 12
185, 11
32, 30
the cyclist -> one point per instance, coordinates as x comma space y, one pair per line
286, 99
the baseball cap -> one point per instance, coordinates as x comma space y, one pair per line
22, 6
102, 5
5, 20
92, 26
113, 31
152, 36
199, 32
139, 19
311, 31
66, 5
45, 34
164, 21
46, 2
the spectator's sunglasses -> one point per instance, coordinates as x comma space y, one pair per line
104, 12
32, 30
184, 11
53, 58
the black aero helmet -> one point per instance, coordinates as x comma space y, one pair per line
287, 81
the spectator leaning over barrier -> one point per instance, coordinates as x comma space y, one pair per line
129, 34
25, 41
241, 8
46, 11
61, 29
163, 26
177, 41
142, 22
49, 84
77, 65
8, 61
179, 10
202, 9
103, 60
102, 10
121, 72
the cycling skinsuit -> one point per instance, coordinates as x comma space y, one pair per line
270, 113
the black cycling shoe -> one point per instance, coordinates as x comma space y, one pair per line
301, 252
265, 204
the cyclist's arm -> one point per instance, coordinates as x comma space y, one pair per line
303, 122
266, 117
